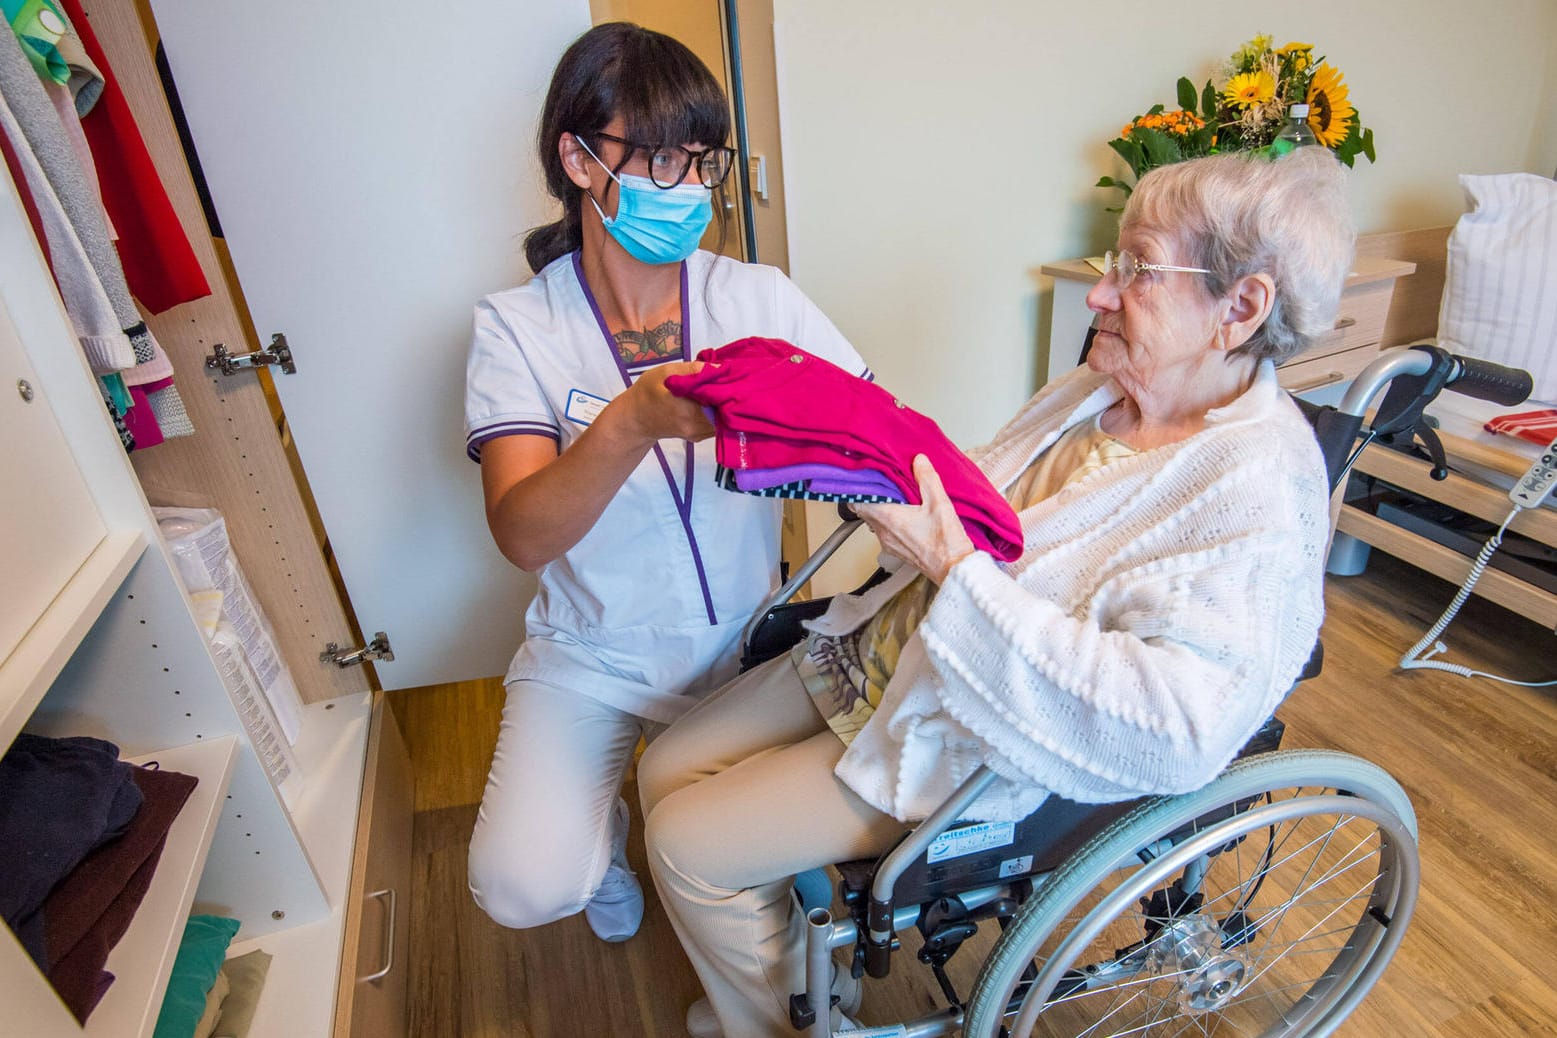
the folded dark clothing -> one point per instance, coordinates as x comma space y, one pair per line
78, 976
59, 800
89, 911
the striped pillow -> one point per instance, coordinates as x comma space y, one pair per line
1500, 289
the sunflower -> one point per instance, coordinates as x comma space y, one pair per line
1250, 89
1330, 111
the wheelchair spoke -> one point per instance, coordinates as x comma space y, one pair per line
1256, 941
1280, 913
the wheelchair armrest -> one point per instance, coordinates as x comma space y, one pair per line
778, 630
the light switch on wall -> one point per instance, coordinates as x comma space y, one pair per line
757, 176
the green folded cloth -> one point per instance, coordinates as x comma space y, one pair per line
199, 959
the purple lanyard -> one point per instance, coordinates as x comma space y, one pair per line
683, 498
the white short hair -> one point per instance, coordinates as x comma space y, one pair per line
1236, 214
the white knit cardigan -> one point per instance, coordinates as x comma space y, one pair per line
1160, 610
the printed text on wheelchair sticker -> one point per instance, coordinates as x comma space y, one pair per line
890, 1031
1015, 866
583, 407
970, 840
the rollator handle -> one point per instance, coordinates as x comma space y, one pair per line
1485, 380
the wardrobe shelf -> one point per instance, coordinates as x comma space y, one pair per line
143, 958
298, 999
27, 673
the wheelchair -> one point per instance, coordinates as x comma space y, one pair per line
1268, 902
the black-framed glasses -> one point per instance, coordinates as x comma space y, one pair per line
669, 163
1124, 265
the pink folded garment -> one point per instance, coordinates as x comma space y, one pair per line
775, 405
1536, 426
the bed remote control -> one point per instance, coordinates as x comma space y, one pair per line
1534, 486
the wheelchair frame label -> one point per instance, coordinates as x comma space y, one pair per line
970, 840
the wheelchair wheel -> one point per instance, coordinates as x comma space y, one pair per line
1267, 903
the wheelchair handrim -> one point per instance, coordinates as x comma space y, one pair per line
1377, 804
1371, 959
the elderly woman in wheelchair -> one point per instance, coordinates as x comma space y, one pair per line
1174, 505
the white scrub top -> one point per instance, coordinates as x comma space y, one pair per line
645, 612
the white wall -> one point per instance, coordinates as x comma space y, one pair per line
937, 154
1543, 145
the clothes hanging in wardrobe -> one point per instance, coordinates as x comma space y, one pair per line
45, 148
159, 263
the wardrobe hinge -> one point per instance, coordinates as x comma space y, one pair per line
377, 649
232, 363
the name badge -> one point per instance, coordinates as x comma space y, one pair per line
583, 407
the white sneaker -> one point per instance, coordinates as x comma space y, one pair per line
616, 910
850, 991
701, 1022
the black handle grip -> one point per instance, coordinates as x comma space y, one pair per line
1485, 380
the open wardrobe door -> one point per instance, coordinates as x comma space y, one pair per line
372, 170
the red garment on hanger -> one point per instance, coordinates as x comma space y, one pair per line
777, 405
159, 264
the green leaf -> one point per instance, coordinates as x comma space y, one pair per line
1350, 145
1111, 182
1154, 110
1161, 150
1208, 99
1186, 94
1129, 149
1357, 142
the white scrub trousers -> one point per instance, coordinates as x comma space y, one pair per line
543, 835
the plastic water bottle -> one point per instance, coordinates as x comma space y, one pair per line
1297, 133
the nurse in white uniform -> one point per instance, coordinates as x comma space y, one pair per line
600, 482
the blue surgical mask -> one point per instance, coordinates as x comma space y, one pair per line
655, 224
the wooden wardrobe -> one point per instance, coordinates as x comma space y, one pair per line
97, 637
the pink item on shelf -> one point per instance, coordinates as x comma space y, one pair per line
777, 405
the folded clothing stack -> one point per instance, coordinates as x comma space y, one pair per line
791, 424
81, 833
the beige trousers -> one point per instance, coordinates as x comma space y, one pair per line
738, 796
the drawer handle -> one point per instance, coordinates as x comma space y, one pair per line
1345, 322
389, 939
1328, 379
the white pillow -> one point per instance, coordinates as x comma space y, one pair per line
1500, 287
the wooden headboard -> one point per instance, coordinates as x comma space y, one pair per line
1413, 312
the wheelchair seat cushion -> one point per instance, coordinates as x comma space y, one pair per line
968, 856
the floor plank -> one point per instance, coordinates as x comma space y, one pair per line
1478, 759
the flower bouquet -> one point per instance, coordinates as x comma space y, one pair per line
1247, 112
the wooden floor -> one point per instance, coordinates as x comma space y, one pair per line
1479, 760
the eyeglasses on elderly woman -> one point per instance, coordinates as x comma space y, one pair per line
1125, 265
669, 163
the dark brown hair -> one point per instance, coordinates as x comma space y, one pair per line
662, 91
